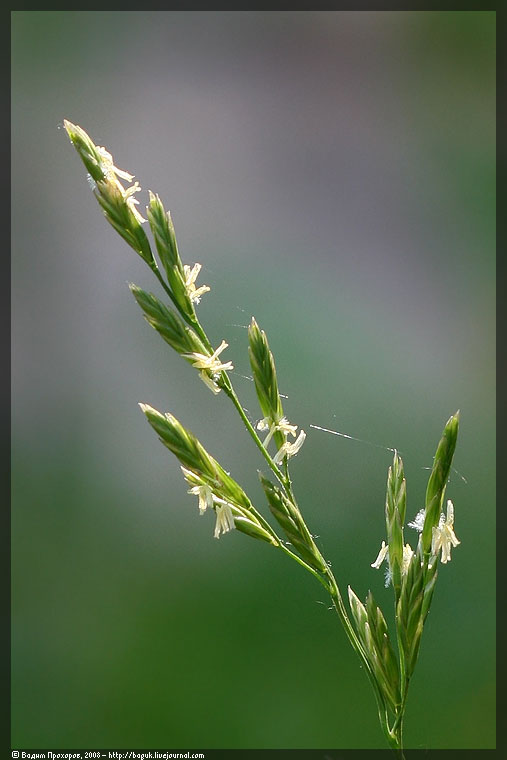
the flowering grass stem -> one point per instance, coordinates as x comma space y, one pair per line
412, 572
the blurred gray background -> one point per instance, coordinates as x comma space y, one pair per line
334, 173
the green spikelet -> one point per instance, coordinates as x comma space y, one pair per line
167, 248
264, 375
167, 323
395, 510
292, 524
437, 482
116, 201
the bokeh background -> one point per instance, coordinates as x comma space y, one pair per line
334, 173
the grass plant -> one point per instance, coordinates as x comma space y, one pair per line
388, 658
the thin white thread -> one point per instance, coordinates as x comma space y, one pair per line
353, 438
246, 377
454, 470
247, 412
460, 475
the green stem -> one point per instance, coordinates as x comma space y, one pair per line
154, 268
195, 324
192, 322
229, 390
305, 565
397, 727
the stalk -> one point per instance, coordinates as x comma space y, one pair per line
413, 574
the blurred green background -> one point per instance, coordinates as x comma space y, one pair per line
334, 172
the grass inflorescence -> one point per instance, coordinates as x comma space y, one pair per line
388, 660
